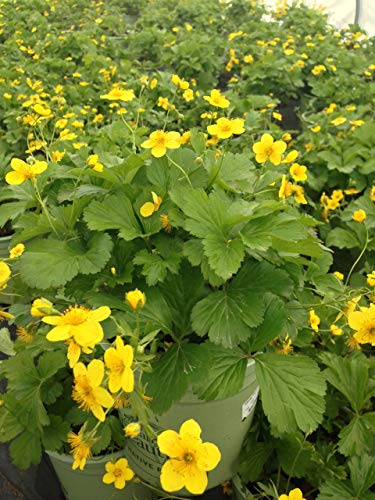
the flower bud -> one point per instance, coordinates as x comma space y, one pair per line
135, 298
132, 430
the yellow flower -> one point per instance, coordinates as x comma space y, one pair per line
62, 123
298, 172
217, 99
364, 322
78, 323
80, 445
225, 128
87, 390
339, 275
66, 135
148, 208
277, 116
153, 83
372, 193
133, 429
287, 137
286, 188
267, 149
314, 320
118, 473
189, 461
359, 215
117, 94
299, 194
41, 307
135, 298
316, 129
286, 347
371, 279
16, 251
25, 335
291, 156
5, 274
23, 171
58, 155
335, 330
249, 59
295, 494
357, 123
318, 69
42, 110
180, 82
188, 95
119, 362
338, 121
166, 223
160, 141
331, 108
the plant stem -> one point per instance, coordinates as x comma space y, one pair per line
181, 170
358, 258
44, 208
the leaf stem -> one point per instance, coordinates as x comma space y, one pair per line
181, 170
44, 208
358, 258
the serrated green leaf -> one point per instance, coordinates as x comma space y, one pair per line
55, 434
114, 212
272, 325
342, 238
296, 455
104, 435
349, 376
225, 376
96, 256
10, 427
50, 363
197, 140
10, 211
54, 257
172, 373
292, 390
224, 256
334, 490
362, 473
253, 458
26, 450
358, 436
227, 315
261, 277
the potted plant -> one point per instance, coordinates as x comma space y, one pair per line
211, 250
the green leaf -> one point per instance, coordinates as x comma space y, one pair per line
48, 263
10, 427
114, 212
253, 458
197, 140
157, 264
55, 434
341, 238
104, 435
334, 490
26, 450
6, 344
296, 455
358, 436
227, 315
349, 376
272, 325
226, 374
10, 211
93, 259
224, 255
171, 374
362, 473
50, 363
292, 390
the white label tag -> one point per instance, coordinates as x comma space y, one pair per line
249, 405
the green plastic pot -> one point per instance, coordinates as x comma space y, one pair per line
88, 485
224, 422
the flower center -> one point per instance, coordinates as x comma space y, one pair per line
83, 393
75, 316
225, 127
117, 472
188, 458
268, 150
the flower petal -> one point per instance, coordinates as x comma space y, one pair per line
196, 481
52, 320
279, 147
62, 332
127, 380
95, 372
88, 333
170, 477
108, 478
147, 209
266, 140
190, 428
19, 166
15, 178
127, 355
169, 443
158, 151
103, 397
99, 314
209, 456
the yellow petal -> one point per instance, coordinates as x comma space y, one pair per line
52, 320
190, 428
97, 411
158, 151
127, 380
59, 333
88, 333
38, 167
196, 481
19, 166
275, 158
147, 209
95, 372
279, 147
261, 157
79, 370
15, 178
127, 354
74, 352
103, 397
209, 456
147, 144
100, 314
108, 478
114, 382
170, 478
169, 443
266, 140
212, 129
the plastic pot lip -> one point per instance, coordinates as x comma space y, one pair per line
64, 457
